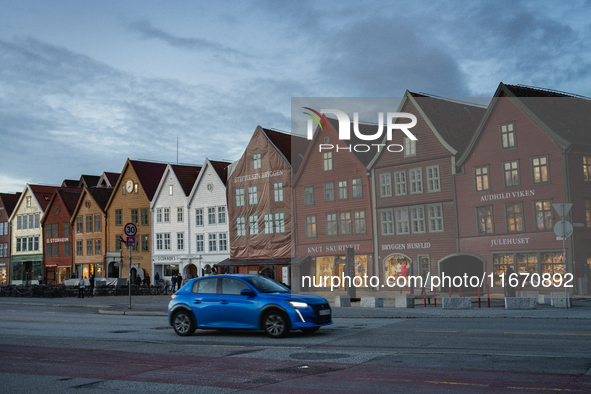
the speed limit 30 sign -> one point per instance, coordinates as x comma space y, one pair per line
130, 229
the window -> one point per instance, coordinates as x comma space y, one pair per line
28, 202
359, 222
117, 243
79, 247
327, 161
89, 223
211, 215
97, 246
253, 224
385, 185
25, 222
484, 216
402, 221
540, 169
279, 223
342, 185
122, 189
135, 188
400, 183
89, 247
416, 180
66, 249
67, 229
417, 216
56, 250
145, 243
552, 263
180, 241
241, 226
35, 243
136, 245
329, 192
410, 147
433, 184
37, 218
199, 242
508, 135
514, 214
482, 183
278, 191
134, 216
158, 215
309, 195
167, 241
223, 237
18, 244
253, 195
387, 218
257, 161
587, 168
221, 215
500, 263
311, 226
97, 223
511, 170
345, 223
170, 189
159, 244
144, 216
19, 222
435, 218
356, 188
48, 231
588, 212
48, 249
179, 214
199, 217
56, 230
166, 215
543, 215
117, 217
331, 225
240, 197
212, 243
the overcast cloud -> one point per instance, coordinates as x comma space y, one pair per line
85, 85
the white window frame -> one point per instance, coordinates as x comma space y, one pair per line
435, 212
387, 221
410, 147
402, 219
417, 219
199, 243
221, 215
179, 214
253, 224
212, 242
415, 177
198, 216
239, 196
433, 179
253, 195
211, 216
180, 241
385, 184
278, 191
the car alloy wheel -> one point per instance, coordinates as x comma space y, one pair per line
275, 325
183, 324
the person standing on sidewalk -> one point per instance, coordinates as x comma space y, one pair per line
91, 282
81, 287
179, 281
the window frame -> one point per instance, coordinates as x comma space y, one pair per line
257, 160
418, 220
551, 226
507, 215
356, 185
410, 146
512, 186
278, 192
430, 219
335, 221
482, 175
325, 191
385, 184
513, 131
327, 163
356, 219
308, 191
533, 170
434, 179
253, 223
239, 197
344, 187
492, 220
586, 168
241, 226
199, 217
253, 195
311, 227
343, 227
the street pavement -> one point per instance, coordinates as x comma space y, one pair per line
157, 305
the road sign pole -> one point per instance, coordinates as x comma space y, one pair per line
566, 300
129, 275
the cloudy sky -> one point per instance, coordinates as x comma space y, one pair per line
86, 84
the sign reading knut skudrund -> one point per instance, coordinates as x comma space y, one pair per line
130, 229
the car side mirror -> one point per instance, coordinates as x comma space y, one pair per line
247, 292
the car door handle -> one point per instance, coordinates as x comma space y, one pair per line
196, 301
223, 302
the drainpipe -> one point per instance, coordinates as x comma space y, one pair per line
374, 213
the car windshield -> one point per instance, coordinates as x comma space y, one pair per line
266, 285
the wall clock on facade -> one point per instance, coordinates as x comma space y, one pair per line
210, 186
129, 186
87, 203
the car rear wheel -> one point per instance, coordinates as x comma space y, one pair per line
310, 330
183, 324
275, 324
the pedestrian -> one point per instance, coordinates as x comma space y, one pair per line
91, 282
138, 281
40, 279
587, 275
156, 279
81, 287
147, 280
509, 290
179, 281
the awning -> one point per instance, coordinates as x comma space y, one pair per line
229, 262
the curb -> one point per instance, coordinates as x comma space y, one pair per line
131, 313
53, 305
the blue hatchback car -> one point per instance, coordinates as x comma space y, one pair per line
245, 302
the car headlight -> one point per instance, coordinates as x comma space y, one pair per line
298, 305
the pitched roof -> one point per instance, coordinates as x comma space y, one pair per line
364, 157
70, 199
101, 195
43, 194
89, 180
221, 167
112, 177
187, 175
283, 142
455, 122
565, 114
149, 175
10, 200
70, 183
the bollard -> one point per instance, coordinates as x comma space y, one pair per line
478, 296
435, 296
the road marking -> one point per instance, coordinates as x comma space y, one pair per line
434, 331
456, 383
385, 379
546, 333
540, 388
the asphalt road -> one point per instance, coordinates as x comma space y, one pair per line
51, 349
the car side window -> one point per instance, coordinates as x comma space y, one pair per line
205, 286
231, 286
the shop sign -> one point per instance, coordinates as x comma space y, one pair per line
164, 258
332, 248
55, 240
259, 175
503, 196
422, 245
509, 241
137, 257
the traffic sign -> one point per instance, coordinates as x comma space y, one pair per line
130, 229
131, 241
562, 208
563, 230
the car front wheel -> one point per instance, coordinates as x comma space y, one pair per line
183, 324
275, 324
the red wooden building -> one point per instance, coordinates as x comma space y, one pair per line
7, 203
531, 150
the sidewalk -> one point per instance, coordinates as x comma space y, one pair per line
157, 306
